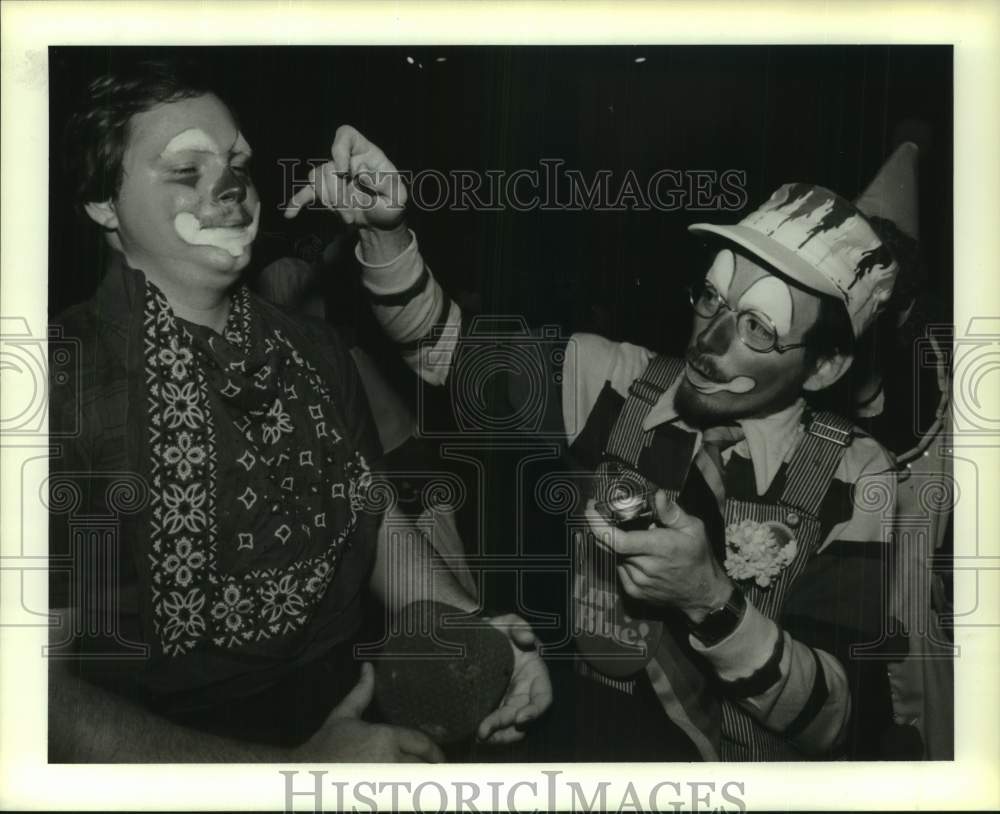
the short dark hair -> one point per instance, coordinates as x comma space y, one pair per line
97, 133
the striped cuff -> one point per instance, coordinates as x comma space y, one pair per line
436, 330
433, 364
814, 704
394, 277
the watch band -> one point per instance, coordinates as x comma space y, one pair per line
722, 621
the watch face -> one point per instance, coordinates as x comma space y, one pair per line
720, 622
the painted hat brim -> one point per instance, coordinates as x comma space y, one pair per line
773, 253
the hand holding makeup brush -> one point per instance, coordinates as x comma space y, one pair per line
359, 183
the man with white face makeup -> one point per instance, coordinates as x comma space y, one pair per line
739, 617
234, 587
185, 204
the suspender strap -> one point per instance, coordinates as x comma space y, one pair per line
619, 464
813, 464
627, 436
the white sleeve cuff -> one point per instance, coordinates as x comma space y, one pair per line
394, 276
745, 650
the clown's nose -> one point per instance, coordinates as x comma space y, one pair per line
230, 188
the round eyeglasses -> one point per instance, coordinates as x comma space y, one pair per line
754, 328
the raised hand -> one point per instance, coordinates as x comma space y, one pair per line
359, 183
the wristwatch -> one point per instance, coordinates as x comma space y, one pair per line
721, 621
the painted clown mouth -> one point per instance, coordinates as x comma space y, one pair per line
700, 375
240, 220
705, 383
231, 233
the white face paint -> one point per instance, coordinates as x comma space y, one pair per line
231, 239
739, 384
771, 297
721, 273
193, 139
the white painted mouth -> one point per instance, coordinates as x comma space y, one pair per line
703, 384
232, 239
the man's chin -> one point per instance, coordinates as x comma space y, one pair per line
222, 260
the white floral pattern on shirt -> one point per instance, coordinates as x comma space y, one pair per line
183, 562
194, 601
276, 423
185, 455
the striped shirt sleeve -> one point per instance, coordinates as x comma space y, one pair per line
419, 316
799, 678
414, 311
792, 689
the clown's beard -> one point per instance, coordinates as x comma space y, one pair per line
700, 410
703, 410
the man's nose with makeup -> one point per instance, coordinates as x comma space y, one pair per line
718, 334
229, 188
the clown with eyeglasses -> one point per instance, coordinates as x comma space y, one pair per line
730, 549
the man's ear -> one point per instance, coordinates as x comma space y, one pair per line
102, 213
828, 370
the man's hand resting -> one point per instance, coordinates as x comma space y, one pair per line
345, 738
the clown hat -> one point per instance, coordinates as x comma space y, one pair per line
893, 193
818, 239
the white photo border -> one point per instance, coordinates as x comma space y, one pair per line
26, 779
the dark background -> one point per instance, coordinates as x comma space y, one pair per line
824, 114
827, 115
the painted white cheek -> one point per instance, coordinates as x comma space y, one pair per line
721, 273
234, 241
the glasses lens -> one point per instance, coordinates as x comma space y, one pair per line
705, 299
756, 331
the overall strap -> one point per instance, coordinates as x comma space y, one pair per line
813, 464
627, 437
675, 678
612, 633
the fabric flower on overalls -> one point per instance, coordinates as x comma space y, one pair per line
754, 552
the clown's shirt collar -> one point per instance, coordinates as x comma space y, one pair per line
768, 440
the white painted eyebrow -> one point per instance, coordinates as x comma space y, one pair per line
192, 139
721, 272
770, 296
